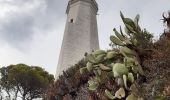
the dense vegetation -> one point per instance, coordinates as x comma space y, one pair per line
23, 81
135, 69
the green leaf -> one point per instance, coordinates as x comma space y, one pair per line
109, 95
130, 29
119, 70
129, 61
131, 97
83, 70
116, 41
99, 71
111, 54
89, 66
122, 32
100, 58
122, 38
159, 98
105, 68
91, 58
141, 71
135, 69
127, 52
98, 52
129, 22
135, 42
122, 16
136, 20
93, 84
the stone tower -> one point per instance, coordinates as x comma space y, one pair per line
81, 34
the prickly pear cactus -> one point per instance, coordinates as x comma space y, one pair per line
121, 63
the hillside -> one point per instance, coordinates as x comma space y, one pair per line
135, 69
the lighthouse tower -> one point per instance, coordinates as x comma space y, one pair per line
81, 33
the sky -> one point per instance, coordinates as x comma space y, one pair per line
31, 31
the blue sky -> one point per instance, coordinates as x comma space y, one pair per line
31, 31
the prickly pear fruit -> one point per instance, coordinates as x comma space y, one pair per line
125, 81
131, 77
120, 93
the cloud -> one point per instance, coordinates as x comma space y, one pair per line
52, 14
56, 7
32, 32
17, 23
22, 19
18, 28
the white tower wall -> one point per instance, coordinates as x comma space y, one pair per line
81, 33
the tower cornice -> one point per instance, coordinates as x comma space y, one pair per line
92, 2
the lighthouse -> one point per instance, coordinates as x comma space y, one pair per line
80, 35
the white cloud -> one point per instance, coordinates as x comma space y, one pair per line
31, 33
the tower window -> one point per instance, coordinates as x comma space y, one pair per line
71, 20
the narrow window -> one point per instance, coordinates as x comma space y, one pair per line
71, 20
